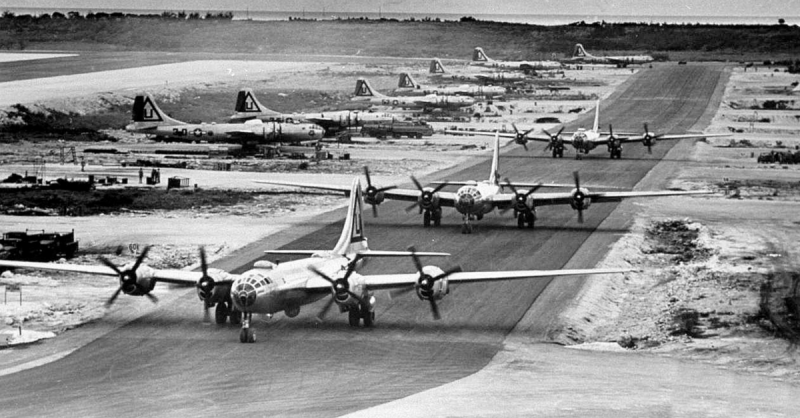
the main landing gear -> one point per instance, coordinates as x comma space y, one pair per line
558, 152
526, 218
225, 310
247, 334
356, 315
434, 216
615, 153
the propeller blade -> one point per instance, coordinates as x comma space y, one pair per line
513, 125
374, 210
357, 297
366, 173
203, 263
110, 265
152, 297
580, 216
413, 205
456, 269
140, 258
416, 183
439, 187
321, 274
525, 145
417, 263
113, 297
577, 178
325, 309
649, 149
435, 310
206, 314
383, 189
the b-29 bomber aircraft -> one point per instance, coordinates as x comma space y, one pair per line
474, 199
579, 55
437, 70
271, 288
407, 85
584, 140
149, 119
248, 107
480, 58
365, 93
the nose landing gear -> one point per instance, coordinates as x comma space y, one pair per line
466, 227
247, 334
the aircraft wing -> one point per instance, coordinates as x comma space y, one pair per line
640, 138
409, 195
468, 133
394, 281
167, 276
544, 199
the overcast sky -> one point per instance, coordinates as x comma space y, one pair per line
787, 8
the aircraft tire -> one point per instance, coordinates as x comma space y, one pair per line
354, 317
437, 220
521, 220
221, 313
236, 317
426, 219
243, 337
530, 219
251, 336
555, 153
368, 317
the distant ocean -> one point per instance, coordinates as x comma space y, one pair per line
533, 19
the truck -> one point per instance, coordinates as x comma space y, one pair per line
397, 129
38, 245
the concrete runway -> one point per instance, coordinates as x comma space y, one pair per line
169, 363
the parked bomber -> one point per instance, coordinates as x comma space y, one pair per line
271, 288
406, 84
149, 119
474, 199
365, 93
248, 107
438, 70
584, 140
579, 55
480, 58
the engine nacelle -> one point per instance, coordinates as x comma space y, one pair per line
649, 141
143, 284
614, 144
580, 201
435, 291
373, 198
428, 200
218, 293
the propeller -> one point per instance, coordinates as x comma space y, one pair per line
340, 286
520, 199
372, 192
127, 278
578, 198
205, 285
553, 138
425, 282
521, 138
649, 139
426, 196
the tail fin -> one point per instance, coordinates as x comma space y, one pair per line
364, 89
494, 175
436, 67
352, 239
407, 82
479, 55
579, 51
248, 106
147, 112
596, 126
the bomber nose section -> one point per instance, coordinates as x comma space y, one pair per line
244, 294
466, 199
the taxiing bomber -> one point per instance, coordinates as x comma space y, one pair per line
584, 140
438, 70
474, 199
272, 288
150, 120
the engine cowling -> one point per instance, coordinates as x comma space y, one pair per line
373, 197
580, 200
136, 283
428, 199
427, 288
209, 290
